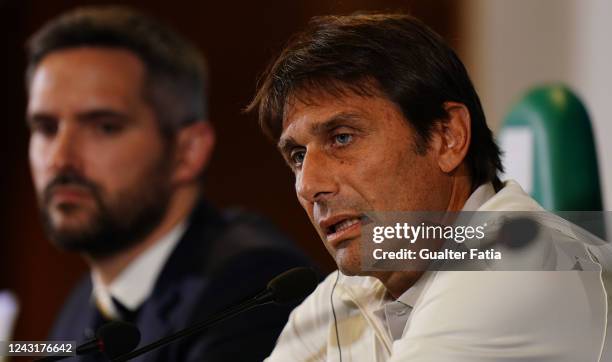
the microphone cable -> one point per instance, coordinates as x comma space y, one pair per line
331, 300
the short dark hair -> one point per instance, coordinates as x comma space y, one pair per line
395, 54
175, 74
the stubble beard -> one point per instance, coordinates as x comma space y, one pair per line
115, 223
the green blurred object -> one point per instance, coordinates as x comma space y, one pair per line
564, 173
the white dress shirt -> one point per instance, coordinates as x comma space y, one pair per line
456, 316
135, 283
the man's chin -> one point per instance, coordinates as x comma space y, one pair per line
75, 233
93, 246
348, 258
349, 266
69, 239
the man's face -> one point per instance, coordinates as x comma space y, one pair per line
97, 157
354, 154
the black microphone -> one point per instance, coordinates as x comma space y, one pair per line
518, 232
291, 286
112, 339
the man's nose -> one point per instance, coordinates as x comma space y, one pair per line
64, 152
316, 180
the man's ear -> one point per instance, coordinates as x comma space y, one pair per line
454, 136
193, 149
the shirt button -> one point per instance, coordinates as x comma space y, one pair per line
401, 312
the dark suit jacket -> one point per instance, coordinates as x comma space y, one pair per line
221, 259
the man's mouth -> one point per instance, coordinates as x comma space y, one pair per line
343, 225
61, 194
342, 228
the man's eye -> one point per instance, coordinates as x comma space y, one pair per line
297, 157
46, 128
108, 127
343, 139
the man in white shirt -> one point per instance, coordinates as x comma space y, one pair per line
376, 113
119, 142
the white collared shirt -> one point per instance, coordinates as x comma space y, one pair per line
135, 283
465, 316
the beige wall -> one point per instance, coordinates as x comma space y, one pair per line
510, 46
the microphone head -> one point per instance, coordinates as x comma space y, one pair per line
293, 285
518, 232
117, 338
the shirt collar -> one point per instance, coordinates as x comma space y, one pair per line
481, 195
135, 283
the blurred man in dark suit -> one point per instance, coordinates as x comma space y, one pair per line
119, 143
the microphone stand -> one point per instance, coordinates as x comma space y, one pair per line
260, 299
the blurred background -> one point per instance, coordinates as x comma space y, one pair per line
508, 47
